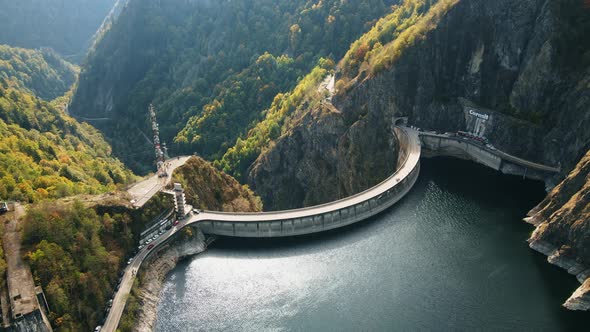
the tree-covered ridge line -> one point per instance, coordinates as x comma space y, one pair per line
224, 119
210, 189
371, 53
230, 114
379, 48
66, 26
40, 72
45, 154
277, 120
210, 68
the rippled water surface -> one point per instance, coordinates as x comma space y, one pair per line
450, 256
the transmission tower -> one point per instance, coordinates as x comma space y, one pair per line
160, 149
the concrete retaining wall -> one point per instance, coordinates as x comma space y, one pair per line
435, 146
512, 169
452, 147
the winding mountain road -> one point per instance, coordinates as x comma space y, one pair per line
141, 192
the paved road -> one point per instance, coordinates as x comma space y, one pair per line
409, 165
413, 158
121, 296
328, 86
146, 189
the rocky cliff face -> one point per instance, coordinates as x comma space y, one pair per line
563, 229
506, 57
328, 155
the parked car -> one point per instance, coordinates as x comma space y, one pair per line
150, 246
3, 207
129, 261
98, 328
140, 247
175, 222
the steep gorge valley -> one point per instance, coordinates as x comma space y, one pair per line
288, 104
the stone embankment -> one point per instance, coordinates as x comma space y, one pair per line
154, 272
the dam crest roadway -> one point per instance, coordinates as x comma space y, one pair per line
332, 215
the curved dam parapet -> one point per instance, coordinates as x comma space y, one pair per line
327, 216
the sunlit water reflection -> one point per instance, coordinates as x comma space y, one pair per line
451, 255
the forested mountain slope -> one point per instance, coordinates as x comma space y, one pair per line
46, 154
39, 72
209, 189
526, 61
210, 67
67, 26
78, 246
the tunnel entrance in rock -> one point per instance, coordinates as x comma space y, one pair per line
400, 121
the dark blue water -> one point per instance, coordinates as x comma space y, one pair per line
451, 256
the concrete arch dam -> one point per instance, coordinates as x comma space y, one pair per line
327, 216
332, 215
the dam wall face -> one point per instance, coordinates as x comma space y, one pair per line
332, 215
513, 169
404, 145
314, 223
436, 146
